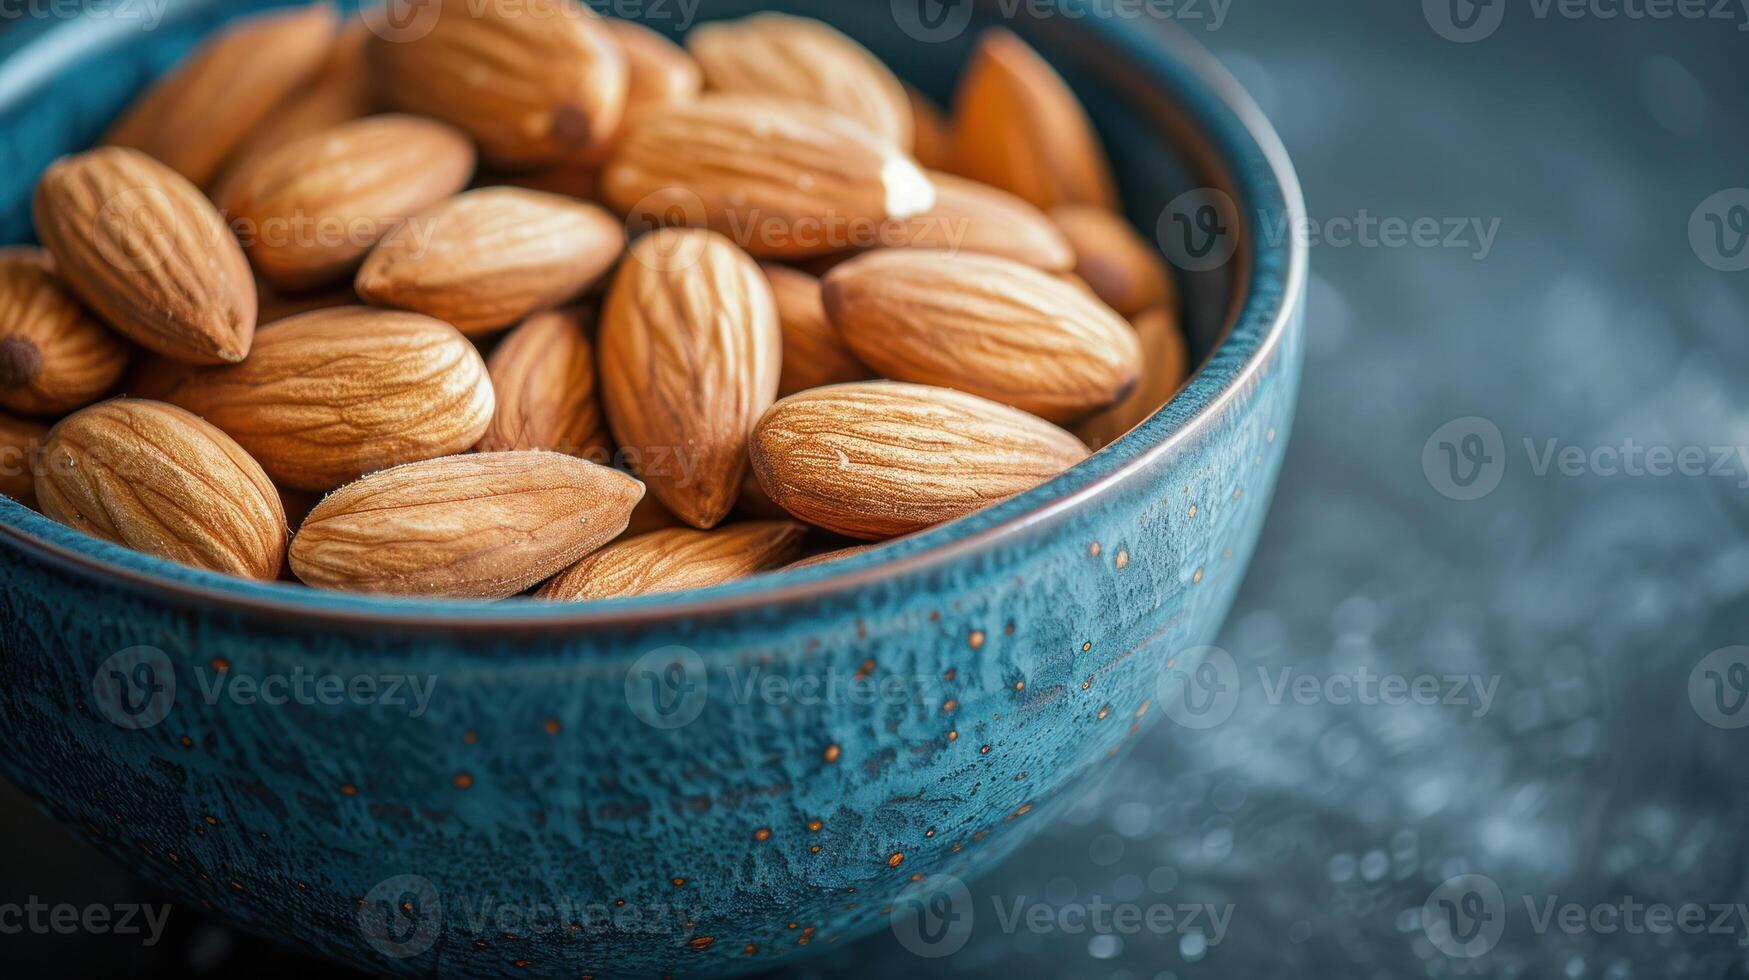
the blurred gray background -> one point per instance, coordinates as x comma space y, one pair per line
1434, 696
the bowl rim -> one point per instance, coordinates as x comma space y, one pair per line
1271, 273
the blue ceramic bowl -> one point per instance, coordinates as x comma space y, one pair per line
707, 783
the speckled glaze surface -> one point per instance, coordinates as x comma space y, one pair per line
705, 785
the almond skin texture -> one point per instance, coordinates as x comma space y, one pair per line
814, 353
782, 178
984, 325
1118, 264
484, 526
535, 82
690, 356
799, 58
1165, 367
194, 118
310, 210
831, 556
677, 559
879, 459
53, 356
143, 249
20, 441
977, 218
544, 377
485, 260
159, 480
333, 394
1017, 126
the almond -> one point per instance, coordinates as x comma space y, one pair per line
277, 306
534, 82
544, 377
783, 179
658, 71
310, 210
984, 325
677, 559
800, 58
199, 114
1017, 126
691, 351
1118, 264
53, 356
21, 441
143, 249
878, 459
814, 353
649, 516
1165, 366
483, 526
933, 143
829, 557
485, 260
977, 218
159, 480
339, 92
333, 394
29, 254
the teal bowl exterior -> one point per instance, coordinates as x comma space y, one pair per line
705, 784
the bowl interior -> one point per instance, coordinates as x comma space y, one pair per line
1171, 120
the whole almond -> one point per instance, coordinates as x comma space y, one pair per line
933, 143
782, 178
691, 351
20, 442
814, 353
800, 58
142, 248
544, 377
1165, 366
339, 92
879, 459
1120, 266
333, 394
658, 71
486, 259
53, 356
534, 82
1017, 126
677, 559
484, 526
310, 210
159, 480
984, 325
200, 113
977, 218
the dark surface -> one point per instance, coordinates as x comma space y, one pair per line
1585, 602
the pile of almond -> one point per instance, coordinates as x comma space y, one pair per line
517, 296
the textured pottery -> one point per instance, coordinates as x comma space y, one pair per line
708, 784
